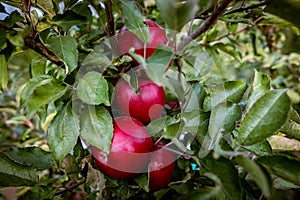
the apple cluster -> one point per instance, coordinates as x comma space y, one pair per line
133, 151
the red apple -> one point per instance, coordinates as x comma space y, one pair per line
128, 40
145, 104
130, 150
161, 168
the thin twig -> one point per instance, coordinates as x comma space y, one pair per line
72, 187
247, 8
44, 9
217, 12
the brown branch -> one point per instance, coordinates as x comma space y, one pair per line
110, 18
217, 12
72, 187
111, 27
33, 41
26, 4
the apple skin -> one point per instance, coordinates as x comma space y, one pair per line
130, 150
161, 168
128, 40
145, 105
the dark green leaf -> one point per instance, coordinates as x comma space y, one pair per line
31, 156
285, 9
205, 5
281, 166
229, 91
177, 13
203, 194
63, 133
93, 89
96, 127
265, 117
260, 85
3, 42
68, 19
15, 174
257, 174
3, 73
225, 170
134, 21
12, 18
65, 48
142, 181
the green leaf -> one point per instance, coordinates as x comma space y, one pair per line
38, 66
68, 19
63, 133
257, 174
14, 174
265, 117
12, 18
262, 148
223, 118
47, 5
176, 13
65, 48
260, 85
225, 170
43, 95
31, 85
229, 91
282, 166
162, 55
3, 73
229, 49
134, 21
291, 129
93, 89
97, 127
291, 9
96, 60
3, 42
142, 181
31, 156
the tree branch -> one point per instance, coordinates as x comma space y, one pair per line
33, 41
218, 11
111, 27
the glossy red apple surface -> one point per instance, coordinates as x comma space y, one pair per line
130, 150
128, 40
145, 104
161, 168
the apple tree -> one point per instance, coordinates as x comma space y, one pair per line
150, 99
